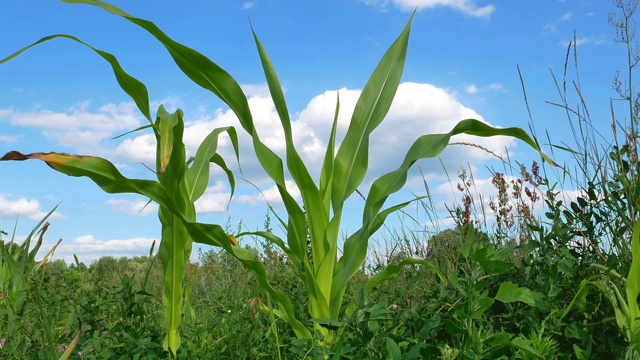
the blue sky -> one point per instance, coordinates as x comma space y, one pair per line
461, 63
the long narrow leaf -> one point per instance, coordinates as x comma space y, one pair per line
326, 173
352, 159
197, 176
132, 86
212, 77
633, 286
317, 218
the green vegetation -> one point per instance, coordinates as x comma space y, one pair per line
501, 284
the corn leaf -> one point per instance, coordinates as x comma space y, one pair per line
373, 105
326, 173
317, 218
175, 247
132, 86
197, 176
633, 286
426, 146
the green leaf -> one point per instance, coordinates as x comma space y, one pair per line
176, 243
325, 279
132, 86
326, 173
197, 176
510, 292
525, 346
351, 161
101, 171
212, 77
196, 66
632, 287
482, 304
393, 351
317, 218
165, 124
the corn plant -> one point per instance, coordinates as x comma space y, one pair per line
176, 190
180, 183
324, 273
20, 273
18, 266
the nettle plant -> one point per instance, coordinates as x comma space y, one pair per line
181, 182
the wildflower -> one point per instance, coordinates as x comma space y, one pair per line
2, 342
408, 302
393, 307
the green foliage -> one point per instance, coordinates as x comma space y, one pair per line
515, 286
180, 182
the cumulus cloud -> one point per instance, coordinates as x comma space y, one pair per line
270, 196
8, 139
78, 127
11, 209
566, 16
141, 148
474, 89
88, 247
549, 28
467, 7
417, 109
131, 207
214, 199
585, 40
248, 5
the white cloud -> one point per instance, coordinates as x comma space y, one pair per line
553, 26
474, 89
8, 139
417, 109
270, 195
566, 16
585, 40
11, 209
467, 7
141, 148
549, 28
88, 244
252, 90
248, 5
135, 208
214, 199
77, 127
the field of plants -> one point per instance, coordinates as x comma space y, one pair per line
507, 281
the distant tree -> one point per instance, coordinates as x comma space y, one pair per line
445, 248
104, 269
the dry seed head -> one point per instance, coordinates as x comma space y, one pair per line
479, 147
